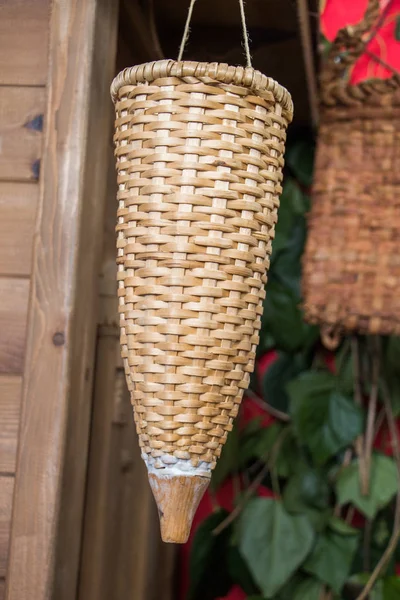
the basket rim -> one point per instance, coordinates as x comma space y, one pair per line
222, 72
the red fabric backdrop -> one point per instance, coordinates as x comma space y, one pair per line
383, 43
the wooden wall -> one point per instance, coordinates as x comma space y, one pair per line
24, 26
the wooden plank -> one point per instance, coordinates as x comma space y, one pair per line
10, 402
14, 295
21, 124
100, 566
57, 388
18, 204
6, 495
24, 26
122, 547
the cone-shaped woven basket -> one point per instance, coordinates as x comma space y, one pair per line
199, 151
351, 266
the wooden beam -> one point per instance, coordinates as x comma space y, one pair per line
18, 204
56, 399
6, 494
10, 402
21, 125
24, 26
14, 295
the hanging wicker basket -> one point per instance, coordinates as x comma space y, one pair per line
199, 151
351, 266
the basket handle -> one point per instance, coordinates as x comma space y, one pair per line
186, 31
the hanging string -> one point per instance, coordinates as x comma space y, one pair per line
186, 31
245, 33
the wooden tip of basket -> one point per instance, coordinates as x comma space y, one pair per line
177, 498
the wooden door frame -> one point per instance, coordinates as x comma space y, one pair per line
57, 389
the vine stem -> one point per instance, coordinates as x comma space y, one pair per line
346, 461
253, 486
274, 412
372, 407
359, 443
396, 530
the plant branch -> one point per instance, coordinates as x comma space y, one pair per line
396, 530
372, 406
253, 486
274, 412
246, 497
359, 443
346, 461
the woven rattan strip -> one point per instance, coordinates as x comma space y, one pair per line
199, 151
351, 266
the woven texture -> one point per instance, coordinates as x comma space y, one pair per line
199, 151
351, 266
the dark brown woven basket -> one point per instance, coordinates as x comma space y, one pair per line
351, 266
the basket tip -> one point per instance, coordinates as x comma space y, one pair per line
177, 498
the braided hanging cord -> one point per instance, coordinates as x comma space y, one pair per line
186, 31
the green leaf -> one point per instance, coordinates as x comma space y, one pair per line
310, 589
391, 373
391, 588
383, 485
286, 213
331, 558
278, 375
228, 460
324, 420
307, 492
397, 30
357, 583
393, 353
300, 159
290, 456
283, 318
286, 263
344, 369
239, 571
273, 543
339, 526
297, 587
207, 582
258, 444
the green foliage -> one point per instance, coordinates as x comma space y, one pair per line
283, 318
307, 492
324, 419
290, 540
391, 588
300, 159
310, 589
209, 550
332, 548
392, 373
280, 373
228, 460
259, 443
383, 485
302, 542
